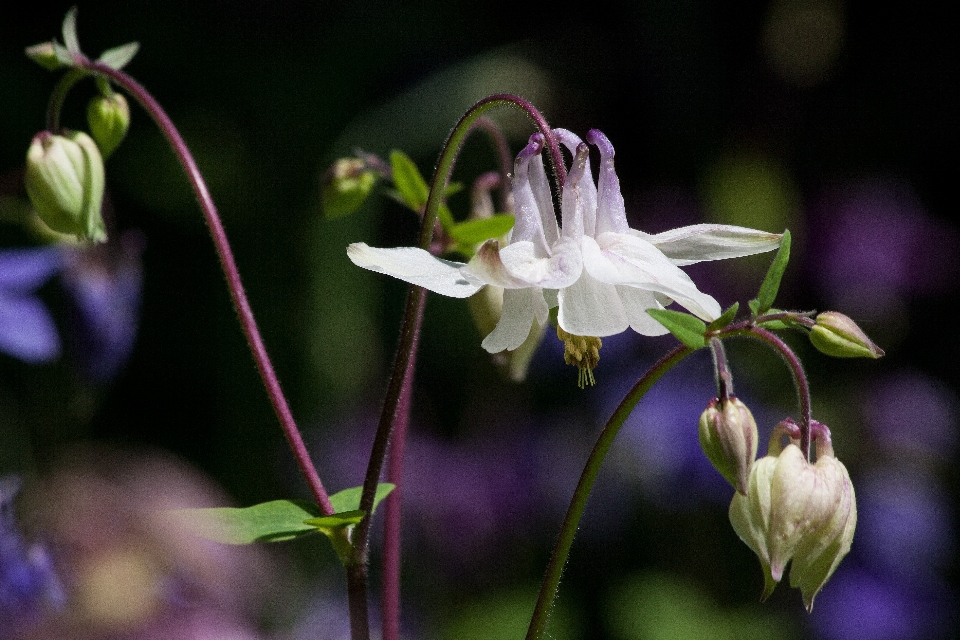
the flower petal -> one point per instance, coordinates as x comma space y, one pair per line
27, 331
520, 308
619, 258
528, 220
416, 266
541, 191
27, 269
591, 308
611, 214
516, 265
702, 242
635, 304
582, 181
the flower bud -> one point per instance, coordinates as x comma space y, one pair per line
45, 55
728, 436
800, 512
109, 119
346, 186
837, 335
65, 180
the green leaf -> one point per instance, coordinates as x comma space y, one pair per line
452, 188
70, 31
474, 232
754, 306
266, 522
274, 521
771, 283
445, 217
688, 329
410, 184
725, 318
349, 499
336, 520
118, 57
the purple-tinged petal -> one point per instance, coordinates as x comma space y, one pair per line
584, 180
528, 218
575, 204
25, 270
611, 214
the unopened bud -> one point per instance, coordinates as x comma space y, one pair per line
837, 335
728, 436
109, 119
798, 511
65, 181
346, 186
45, 55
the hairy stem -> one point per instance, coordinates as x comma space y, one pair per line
227, 262
799, 378
561, 551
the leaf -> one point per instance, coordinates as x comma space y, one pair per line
274, 521
688, 329
70, 31
410, 184
266, 522
474, 232
349, 499
118, 57
452, 188
725, 318
445, 217
771, 283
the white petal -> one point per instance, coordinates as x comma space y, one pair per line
487, 265
701, 242
619, 258
635, 304
520, 308
416, 266
573, 199
584, 181
591, 308
541, 192
559, 270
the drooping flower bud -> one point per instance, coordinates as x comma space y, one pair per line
65, 181
346, 186
837, 335
109, 119
797, 511
728, 436
45, 55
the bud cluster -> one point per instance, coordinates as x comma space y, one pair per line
798, 511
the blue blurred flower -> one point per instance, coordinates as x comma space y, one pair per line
103, 283
28, 582
27, 330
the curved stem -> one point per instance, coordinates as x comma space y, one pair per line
551, 581
721, 368
227, 262
59, 95
799, 377
410, 335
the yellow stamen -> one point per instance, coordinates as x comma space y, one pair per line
582, 352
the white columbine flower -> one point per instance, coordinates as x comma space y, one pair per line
602, 274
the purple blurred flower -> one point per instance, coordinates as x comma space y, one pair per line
27, 330
872, 248
103, 283
28, 583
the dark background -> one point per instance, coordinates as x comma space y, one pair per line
838, 121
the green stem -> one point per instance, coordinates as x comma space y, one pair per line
59, 96
409, 336
561, 551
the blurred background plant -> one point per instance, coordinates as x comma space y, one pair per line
833, 119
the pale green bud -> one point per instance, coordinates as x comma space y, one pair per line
837, 335
45, 54
65, 180
818, 554
346, 186
728, 436
800, 512
109, 119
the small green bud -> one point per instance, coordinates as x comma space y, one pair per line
109, 119
837, 335
346, 186
45, 55
728, 436
65, 181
